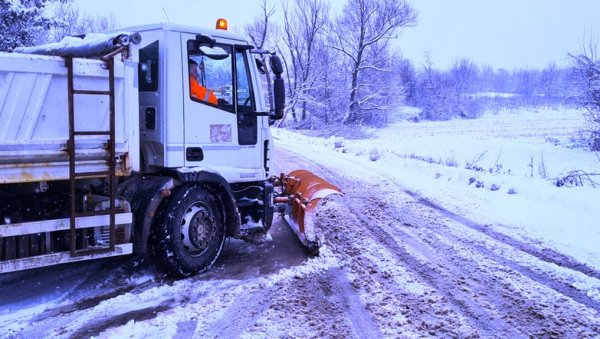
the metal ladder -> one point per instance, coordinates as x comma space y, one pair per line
109, 174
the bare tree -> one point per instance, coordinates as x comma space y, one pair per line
258, 31
69, 20
364, 25
432, 95
408, 77
464, 74
303, 30
586, 67
526, 80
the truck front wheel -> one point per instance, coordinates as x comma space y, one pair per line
190, 231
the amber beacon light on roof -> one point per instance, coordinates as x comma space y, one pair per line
221, 24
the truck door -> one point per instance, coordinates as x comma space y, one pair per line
220, 123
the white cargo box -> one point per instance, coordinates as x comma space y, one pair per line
34, 117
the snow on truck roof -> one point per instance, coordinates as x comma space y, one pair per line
167, 26
99, 44
88, 45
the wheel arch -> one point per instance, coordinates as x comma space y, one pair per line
145, 194
219, 186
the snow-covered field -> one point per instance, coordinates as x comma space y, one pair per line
514, 158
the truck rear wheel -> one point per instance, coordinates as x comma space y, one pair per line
190, 231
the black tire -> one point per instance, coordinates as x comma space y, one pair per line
189, 232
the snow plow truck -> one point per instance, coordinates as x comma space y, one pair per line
107, 148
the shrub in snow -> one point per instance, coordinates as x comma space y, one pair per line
586, 68
451, 161
494, 187
577, 178
553, 141
495, 169
374, 155
512, 190
335, 142
475, 168
479, 184
338, 142
472, 180
473, 165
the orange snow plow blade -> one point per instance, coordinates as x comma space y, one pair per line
301, 191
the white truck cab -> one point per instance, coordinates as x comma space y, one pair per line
177, 129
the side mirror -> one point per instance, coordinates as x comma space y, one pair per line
276, 65
203, 39
278, 98
278, 88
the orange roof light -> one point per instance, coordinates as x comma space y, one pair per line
222, 24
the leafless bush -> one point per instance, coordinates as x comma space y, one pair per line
542, 169
451, 161
586, 68
577, 178
473, 164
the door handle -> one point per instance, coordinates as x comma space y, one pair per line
194, 154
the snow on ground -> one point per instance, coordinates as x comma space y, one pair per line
406, 270
514, 158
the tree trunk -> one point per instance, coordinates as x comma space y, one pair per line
352, 113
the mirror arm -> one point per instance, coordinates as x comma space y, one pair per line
206, 39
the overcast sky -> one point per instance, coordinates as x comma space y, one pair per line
500, 33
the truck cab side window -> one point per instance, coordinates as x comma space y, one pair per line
244, 90
246, 118
148, 68
210, 75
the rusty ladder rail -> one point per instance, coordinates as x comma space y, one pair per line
110, 159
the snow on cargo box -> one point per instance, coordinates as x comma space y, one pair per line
34, 117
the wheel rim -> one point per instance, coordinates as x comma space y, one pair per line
198, 229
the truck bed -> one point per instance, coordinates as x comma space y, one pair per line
34, 128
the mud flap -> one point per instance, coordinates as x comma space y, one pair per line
302, 191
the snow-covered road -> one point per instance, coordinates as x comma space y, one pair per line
394, 264
421, 270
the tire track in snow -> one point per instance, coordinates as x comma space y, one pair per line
474, 288
543, 254
546, 255
545, 278
241, 315
501, 288
321, 303
543, 275
345, 295
399, 309
472, 313
446, 278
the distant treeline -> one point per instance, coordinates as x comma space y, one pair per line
467, 90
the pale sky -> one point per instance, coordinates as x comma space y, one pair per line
500, 33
